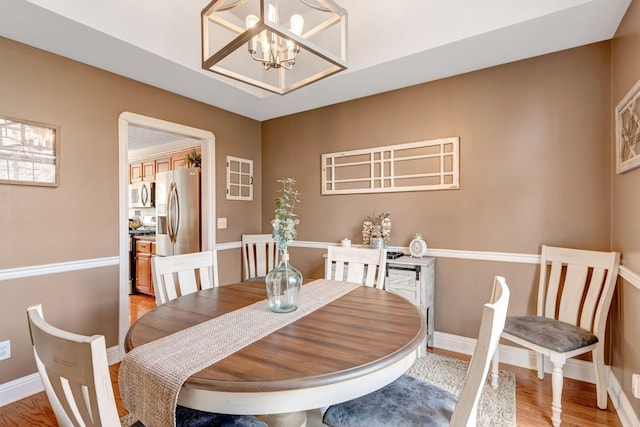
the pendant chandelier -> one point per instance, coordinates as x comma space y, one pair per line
247, 41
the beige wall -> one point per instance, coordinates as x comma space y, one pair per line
534, 167
626, 209
79, 219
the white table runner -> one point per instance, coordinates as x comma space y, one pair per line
151, 375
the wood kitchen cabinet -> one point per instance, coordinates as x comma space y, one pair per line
135, 172
142, 171
145, 250
147, 170
163, 164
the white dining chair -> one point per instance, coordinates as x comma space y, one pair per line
574, 294
259, 255
357, 265
409, 401
177, 275
75, 374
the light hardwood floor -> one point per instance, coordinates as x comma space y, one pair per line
533, 397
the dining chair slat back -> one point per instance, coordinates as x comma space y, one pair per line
259, 255
177, 275
357, 265
75, 373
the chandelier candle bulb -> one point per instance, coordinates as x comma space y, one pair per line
250, 22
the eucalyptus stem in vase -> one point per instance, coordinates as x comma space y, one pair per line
283, 282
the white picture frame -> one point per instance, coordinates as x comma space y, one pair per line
627, 114
239, 178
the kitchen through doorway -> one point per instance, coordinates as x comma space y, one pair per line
143, 136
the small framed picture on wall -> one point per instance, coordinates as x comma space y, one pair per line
628, 131
29, 152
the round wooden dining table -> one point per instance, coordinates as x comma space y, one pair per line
349, 347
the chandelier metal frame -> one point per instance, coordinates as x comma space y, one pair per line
220, 20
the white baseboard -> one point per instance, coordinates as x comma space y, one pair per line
625, 411
31, 384
20, 388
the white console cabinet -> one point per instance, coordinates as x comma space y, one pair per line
413, 279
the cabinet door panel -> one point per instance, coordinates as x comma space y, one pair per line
135, 172
144, 251
410, 295
404, 284
143, 273
163, 165
149, 171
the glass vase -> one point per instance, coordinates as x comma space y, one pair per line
283, 286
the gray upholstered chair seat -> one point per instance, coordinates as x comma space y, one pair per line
407, 401
549, 333
186, 417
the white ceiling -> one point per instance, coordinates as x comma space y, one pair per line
391, 44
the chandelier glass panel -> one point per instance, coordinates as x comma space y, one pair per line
277, 45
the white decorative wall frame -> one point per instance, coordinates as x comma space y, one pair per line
239, 178
415, 166
628, 131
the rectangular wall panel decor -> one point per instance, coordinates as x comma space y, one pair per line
414, 166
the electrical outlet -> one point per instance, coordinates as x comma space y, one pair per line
5, 349
222, 223
635, 385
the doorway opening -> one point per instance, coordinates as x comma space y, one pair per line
206, 140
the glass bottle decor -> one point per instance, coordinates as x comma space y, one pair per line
283, 286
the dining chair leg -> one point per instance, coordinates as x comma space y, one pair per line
540, 365
556, 389
601, 377
494, 368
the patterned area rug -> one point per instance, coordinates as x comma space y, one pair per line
497, 408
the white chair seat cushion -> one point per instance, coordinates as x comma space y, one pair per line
549, 333
407, 401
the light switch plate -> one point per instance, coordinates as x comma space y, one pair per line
222, 223
635, 385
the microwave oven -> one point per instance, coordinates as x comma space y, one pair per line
142, 195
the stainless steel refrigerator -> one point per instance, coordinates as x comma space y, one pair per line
178, 212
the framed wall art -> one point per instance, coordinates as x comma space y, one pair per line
29, 153
628, 131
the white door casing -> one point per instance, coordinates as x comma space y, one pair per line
207, 206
